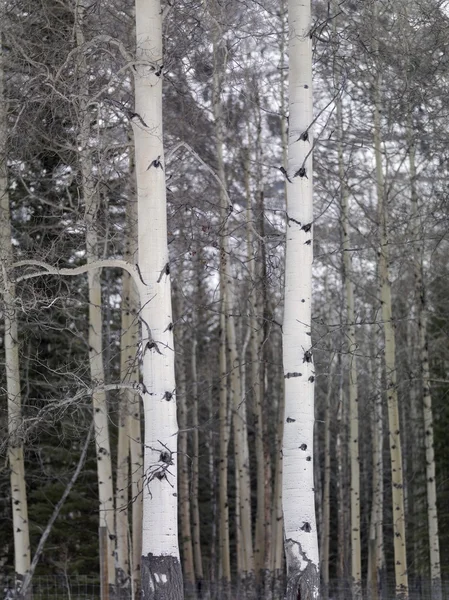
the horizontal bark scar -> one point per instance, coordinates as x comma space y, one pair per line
293, 374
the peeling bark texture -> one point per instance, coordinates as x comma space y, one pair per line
161, 578
302, 583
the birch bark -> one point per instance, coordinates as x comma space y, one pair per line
301, 543
161, 569
11, 342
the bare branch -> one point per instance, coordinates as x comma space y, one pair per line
97, 264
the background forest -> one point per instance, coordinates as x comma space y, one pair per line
380, 242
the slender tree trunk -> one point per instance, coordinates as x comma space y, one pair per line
129, 452
223, 531
129, 443
376, 556
356, 555
183, 464
95, 338
421, 304
130, 374
277, 515
400, 555
196, 523
301, 543
136, 449
326, 523
256, 331
122, 566
225, 565
342, 489
161, 568
11, 343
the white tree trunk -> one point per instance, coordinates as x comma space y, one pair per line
421, 305
11, 342
400, 555
326, 524
184, 459
376, 557
301, 543
196, 525
161, 569
356, 555
95, 338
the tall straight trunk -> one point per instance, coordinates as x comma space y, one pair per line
160, 563
421, 305
277, 516
241, 448
130, 374
11, 343
341, 444
326, 523
399, 542
122, 566
183, 464
223, 530
376, 556
102, 444
129, 453
238, 402
136, 461
196, 524
301, 542
257, 380
225, 564
354, 458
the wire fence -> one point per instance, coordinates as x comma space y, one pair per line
62, 588
88, 588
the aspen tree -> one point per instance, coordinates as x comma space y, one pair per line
183, 461
238, 404
196, 525
129, 452
277, 516
400, 555
376, 557
421, 306
20, 523
301, 542
100, 409
225, 564
160, 564
356, 555
130, 375
326, 524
